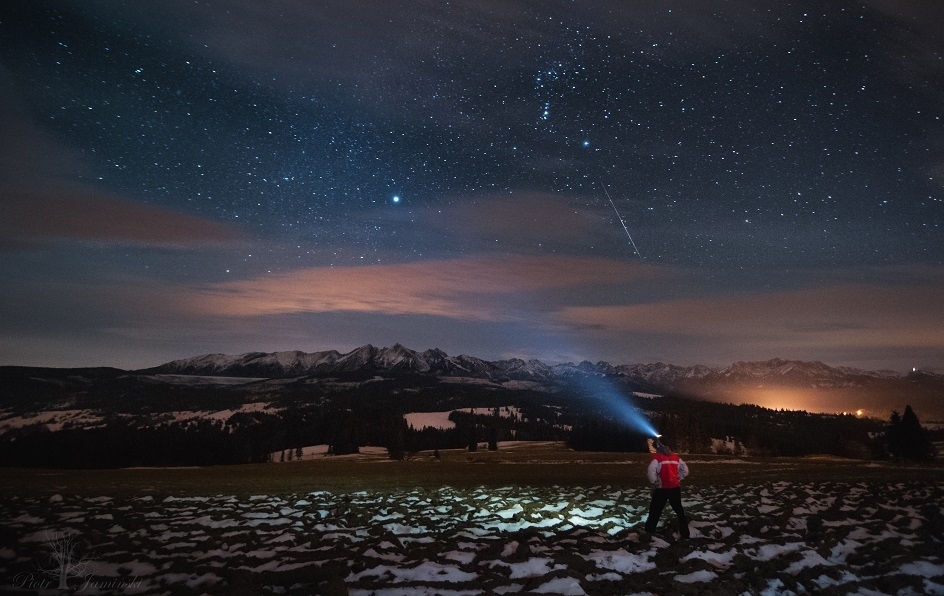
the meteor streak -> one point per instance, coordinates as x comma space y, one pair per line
625, 229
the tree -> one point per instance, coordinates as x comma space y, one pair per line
396, 439
347, 434
492, 438
906, 437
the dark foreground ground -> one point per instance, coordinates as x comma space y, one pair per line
534, 521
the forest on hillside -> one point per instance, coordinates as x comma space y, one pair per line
347, 425
136, 421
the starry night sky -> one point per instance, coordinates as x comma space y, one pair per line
189, 177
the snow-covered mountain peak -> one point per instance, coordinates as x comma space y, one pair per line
780, 368
399, 358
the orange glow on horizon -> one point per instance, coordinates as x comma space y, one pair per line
777, 398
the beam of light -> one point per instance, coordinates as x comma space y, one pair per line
632, 417
625, 229
620, 407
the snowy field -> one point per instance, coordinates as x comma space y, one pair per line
770, 538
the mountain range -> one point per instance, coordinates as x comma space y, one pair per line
215, 408
776, 383
399, 358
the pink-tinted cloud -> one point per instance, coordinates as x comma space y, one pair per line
846, 316
84, 214
488, 288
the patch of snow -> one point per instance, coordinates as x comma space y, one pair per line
810, 559
567, 586
923, 569
54, 420
766, 552
421, 420
534, 567
425, 571
697, 576
621, 560
719, 560
440, 420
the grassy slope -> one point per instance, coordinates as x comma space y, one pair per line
539, 464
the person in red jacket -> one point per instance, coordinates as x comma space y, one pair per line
665, 472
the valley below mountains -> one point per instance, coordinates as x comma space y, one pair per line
217, 408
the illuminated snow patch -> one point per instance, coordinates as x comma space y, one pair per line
621, 560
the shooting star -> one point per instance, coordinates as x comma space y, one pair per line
625, 229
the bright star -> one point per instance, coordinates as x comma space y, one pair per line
396, 198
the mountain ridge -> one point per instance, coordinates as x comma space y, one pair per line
775, 383
399, 358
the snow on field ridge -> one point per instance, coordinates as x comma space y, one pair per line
780, 538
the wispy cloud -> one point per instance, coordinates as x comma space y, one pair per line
849, 316
487, 288
75, 213
42, 199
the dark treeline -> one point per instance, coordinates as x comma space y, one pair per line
690, 425
243, 438
143, 426
119, 445
765, 432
